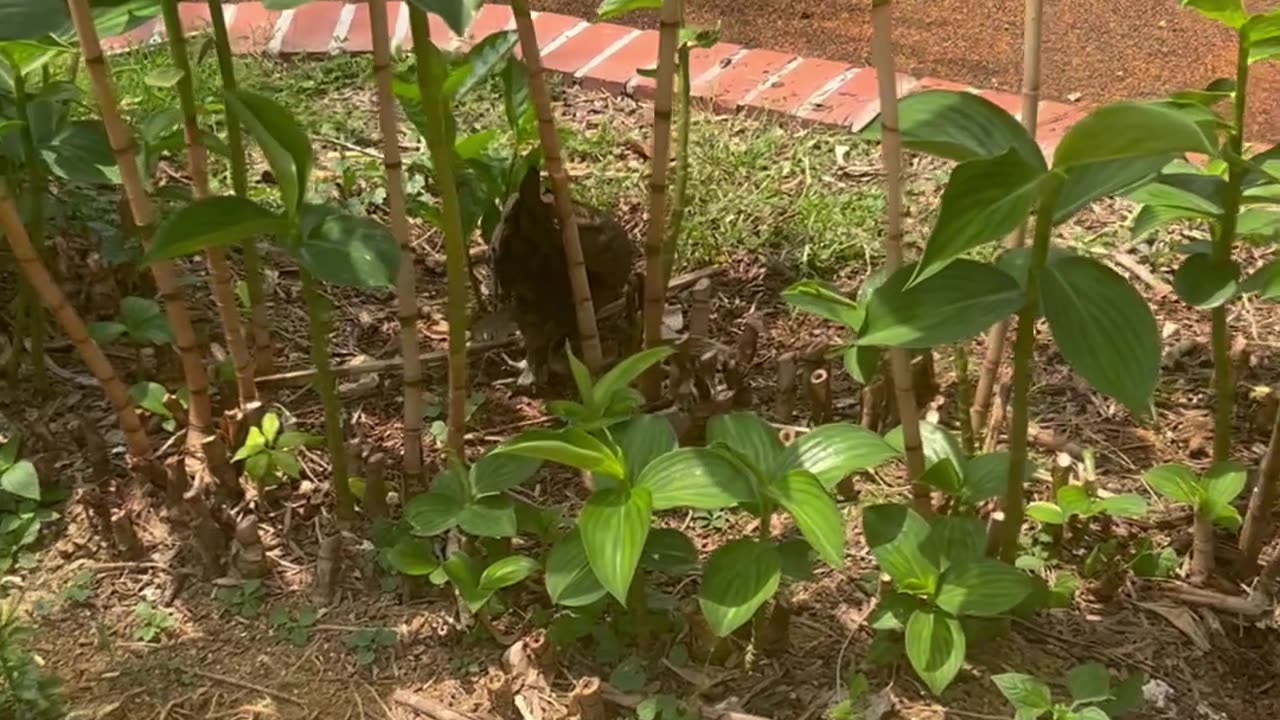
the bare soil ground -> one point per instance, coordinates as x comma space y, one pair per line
212, 664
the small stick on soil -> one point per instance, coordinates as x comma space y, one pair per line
375, 487
820, 397
784, 404
1135, 268
427, 706
700, 309
749, 341
245, 684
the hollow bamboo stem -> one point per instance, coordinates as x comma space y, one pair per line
406, 296
680, 193
318, 327
122, 147
38, 184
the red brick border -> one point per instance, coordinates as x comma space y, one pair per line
608, 56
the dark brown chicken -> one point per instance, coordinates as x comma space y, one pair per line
531, 276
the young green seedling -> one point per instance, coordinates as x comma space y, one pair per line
294, 627
367, 643
242, 599
1074, 501
270, 453
1093, 697
1209, 495
152, 621
140, 322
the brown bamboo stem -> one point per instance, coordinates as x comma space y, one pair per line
1257, 521
891, 151
200, 419
406, 295
588, 334
997, 336
655, 290
39, 279
197, 165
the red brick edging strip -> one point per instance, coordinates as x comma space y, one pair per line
729, 77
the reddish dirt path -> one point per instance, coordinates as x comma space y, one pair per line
1102, 49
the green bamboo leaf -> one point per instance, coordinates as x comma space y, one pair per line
81, 152
1175, 482
862, 363
738, 579
1261, 34
1029, 695
1150, 218
834, 450
508, 571
570, 446
1204, 282
957, 539
1089, 683
493, 516
986, 476
150, 396
936, 647
1046, 512
499, 472
953, 304
814, 511
480, 63
1124, 505
570, 581
437, 510
212, 222
1129, 130
937, 444
1104, 330
670, 551
283, 141
145, 321
610, 9
896, 536
163, 76
984, 588
944, 476
457, 14
413, 556
694, 477
624, 373
614, 525
1258, 222
824, 300
1086, 183
959, 126
346, 250
643, 439
22, 480
1228, 12
1265, 281
1074, 501
1200, 191
1222, 483
753, 438
465, 572
984, 200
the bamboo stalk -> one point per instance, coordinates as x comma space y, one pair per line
407, 298
891, 151
655, 290
584, 306
1257, 521
318, 329
37, 275
997, 336
435, 107
680, 193
219, 270
200, 420
259, 317
38, 185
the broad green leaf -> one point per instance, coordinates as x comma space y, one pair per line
145, 320
1203, 282
480, 63
1215, 92
515, 97
31, 19
984, 200
465, 572
346, 250
163, 76
614, 525
797, 557
1174, 482
286, 463
1150, 218
1074, 500
750, 436
457, 14
1265, 281
1258, 222
824, 300
581, 376
1129, 130
82, 153
610, 9
814, 511
436, 510
957, 539
953, 304
507, 572
1228, 12
987, 476
1200, 192
283, 141
643, 439
1089, 713
959, 126
935, 646
896, 536
570, 581
212, 222
1104, 330
624, 373
862, 363
413, 556
150, 396
21, 480
695, 477
105, 331
499, 472
944, 476
670, 551
493, 516
271, 427
570, 446
1046, 512
984, 588
1089, 683
1261, 34
258, 466
937, 444
738, 579
254, 443
1125, 505
1127, 696
834, 450
9, 455
1223, 481
1024, 692
1086, 183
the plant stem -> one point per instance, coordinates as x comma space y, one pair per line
964, 398
891, 152
200, 421
655, 287
681, 191
259, 317
219, 270
38, 277
584, 306
38, 185
997, 336
1023, 357
435, 106
406, 296
318, 329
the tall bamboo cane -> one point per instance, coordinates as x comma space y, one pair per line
405, 293
588, 335
219, 270
997, 336
200, 419
259, 319
51, 296
891, 152
655, 287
